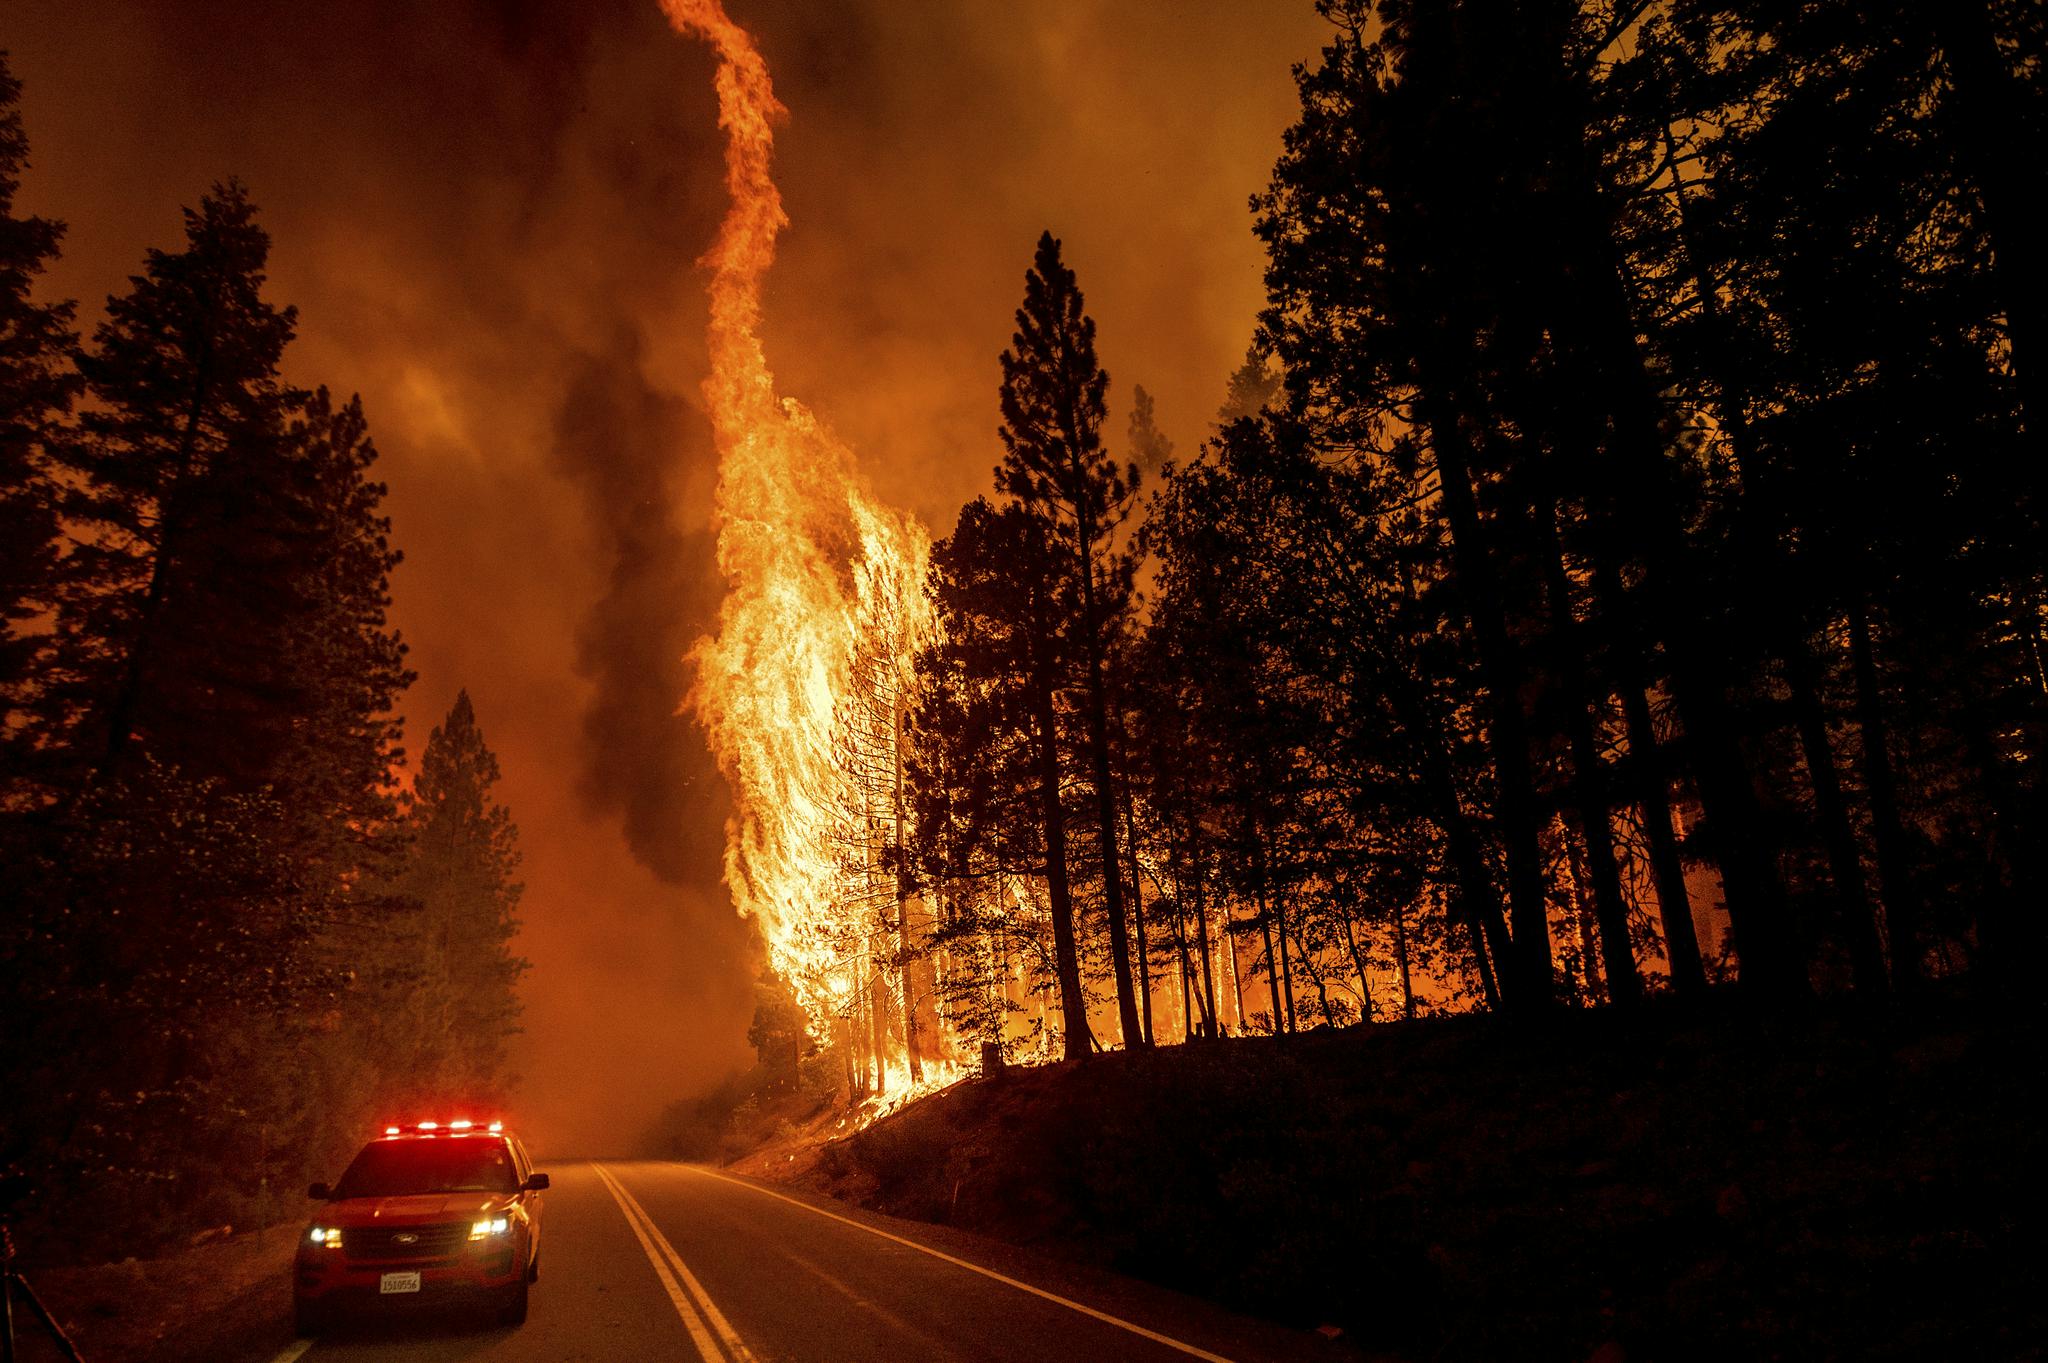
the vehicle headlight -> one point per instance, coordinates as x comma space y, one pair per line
484, 1230
327, 1237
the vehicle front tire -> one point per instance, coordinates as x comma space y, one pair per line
513, 1312
309, 1318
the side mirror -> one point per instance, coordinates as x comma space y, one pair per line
321, 1191
536, 1183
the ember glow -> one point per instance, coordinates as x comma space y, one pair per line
802, 689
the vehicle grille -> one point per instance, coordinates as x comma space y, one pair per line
378, 1242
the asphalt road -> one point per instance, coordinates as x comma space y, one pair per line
678, 1262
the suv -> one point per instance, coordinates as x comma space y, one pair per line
435, 1211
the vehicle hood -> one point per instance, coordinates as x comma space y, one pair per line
418, 1209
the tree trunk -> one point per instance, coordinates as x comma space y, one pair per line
878, 1015
1202, 936
1066, 958
1593, 315
1105, 800
910, 1047
1526, 981
1236, 970
1845, 859
1271, 916
1583, 919
1653, 798
1589, 771
903, 891
1475, 900
1138, 915
1278, 1019
2009, 925
1366, 1012
1315, 976
1894, 857
1401, 963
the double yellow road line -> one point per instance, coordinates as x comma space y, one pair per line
712, 1334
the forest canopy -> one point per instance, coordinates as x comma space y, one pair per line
1616, 570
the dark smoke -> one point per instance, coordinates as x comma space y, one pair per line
624, 444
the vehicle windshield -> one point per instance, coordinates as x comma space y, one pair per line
447, 1164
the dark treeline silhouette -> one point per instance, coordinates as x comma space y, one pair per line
1616, 570
232, 936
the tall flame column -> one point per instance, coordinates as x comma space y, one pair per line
809, 560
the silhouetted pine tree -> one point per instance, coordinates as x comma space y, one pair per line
215, 752
462, 853
194, 514
1393, 165
988, 768
1150, 449
1056, 470
37, 386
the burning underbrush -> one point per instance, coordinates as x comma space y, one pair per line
1668, 1186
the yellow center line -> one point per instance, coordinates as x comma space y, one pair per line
1007, 1281
700, 1336
735, 1349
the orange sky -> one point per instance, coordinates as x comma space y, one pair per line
489, 214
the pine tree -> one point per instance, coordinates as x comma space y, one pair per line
1369, 175
215, 715
37, 386
461, 858
1056, 470
337, 760
988, 769
171, 637
1150, 448
1254, 386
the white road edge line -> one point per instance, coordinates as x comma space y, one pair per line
731, 1337
700, 1336
1069, 1303
294, 1351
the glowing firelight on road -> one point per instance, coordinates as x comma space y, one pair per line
819, 577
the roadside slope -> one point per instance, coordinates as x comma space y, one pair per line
1676, 1185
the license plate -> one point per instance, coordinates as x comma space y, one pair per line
398, 1282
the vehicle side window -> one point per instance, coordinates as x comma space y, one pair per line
519, 1158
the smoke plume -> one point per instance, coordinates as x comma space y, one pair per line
625, 443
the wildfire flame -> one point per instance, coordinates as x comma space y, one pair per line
824, 585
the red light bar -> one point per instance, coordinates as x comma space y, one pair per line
460, 1126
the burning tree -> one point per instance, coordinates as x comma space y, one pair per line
874, 893
802, 690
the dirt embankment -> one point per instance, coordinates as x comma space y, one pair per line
225, 1299
1706, 1184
